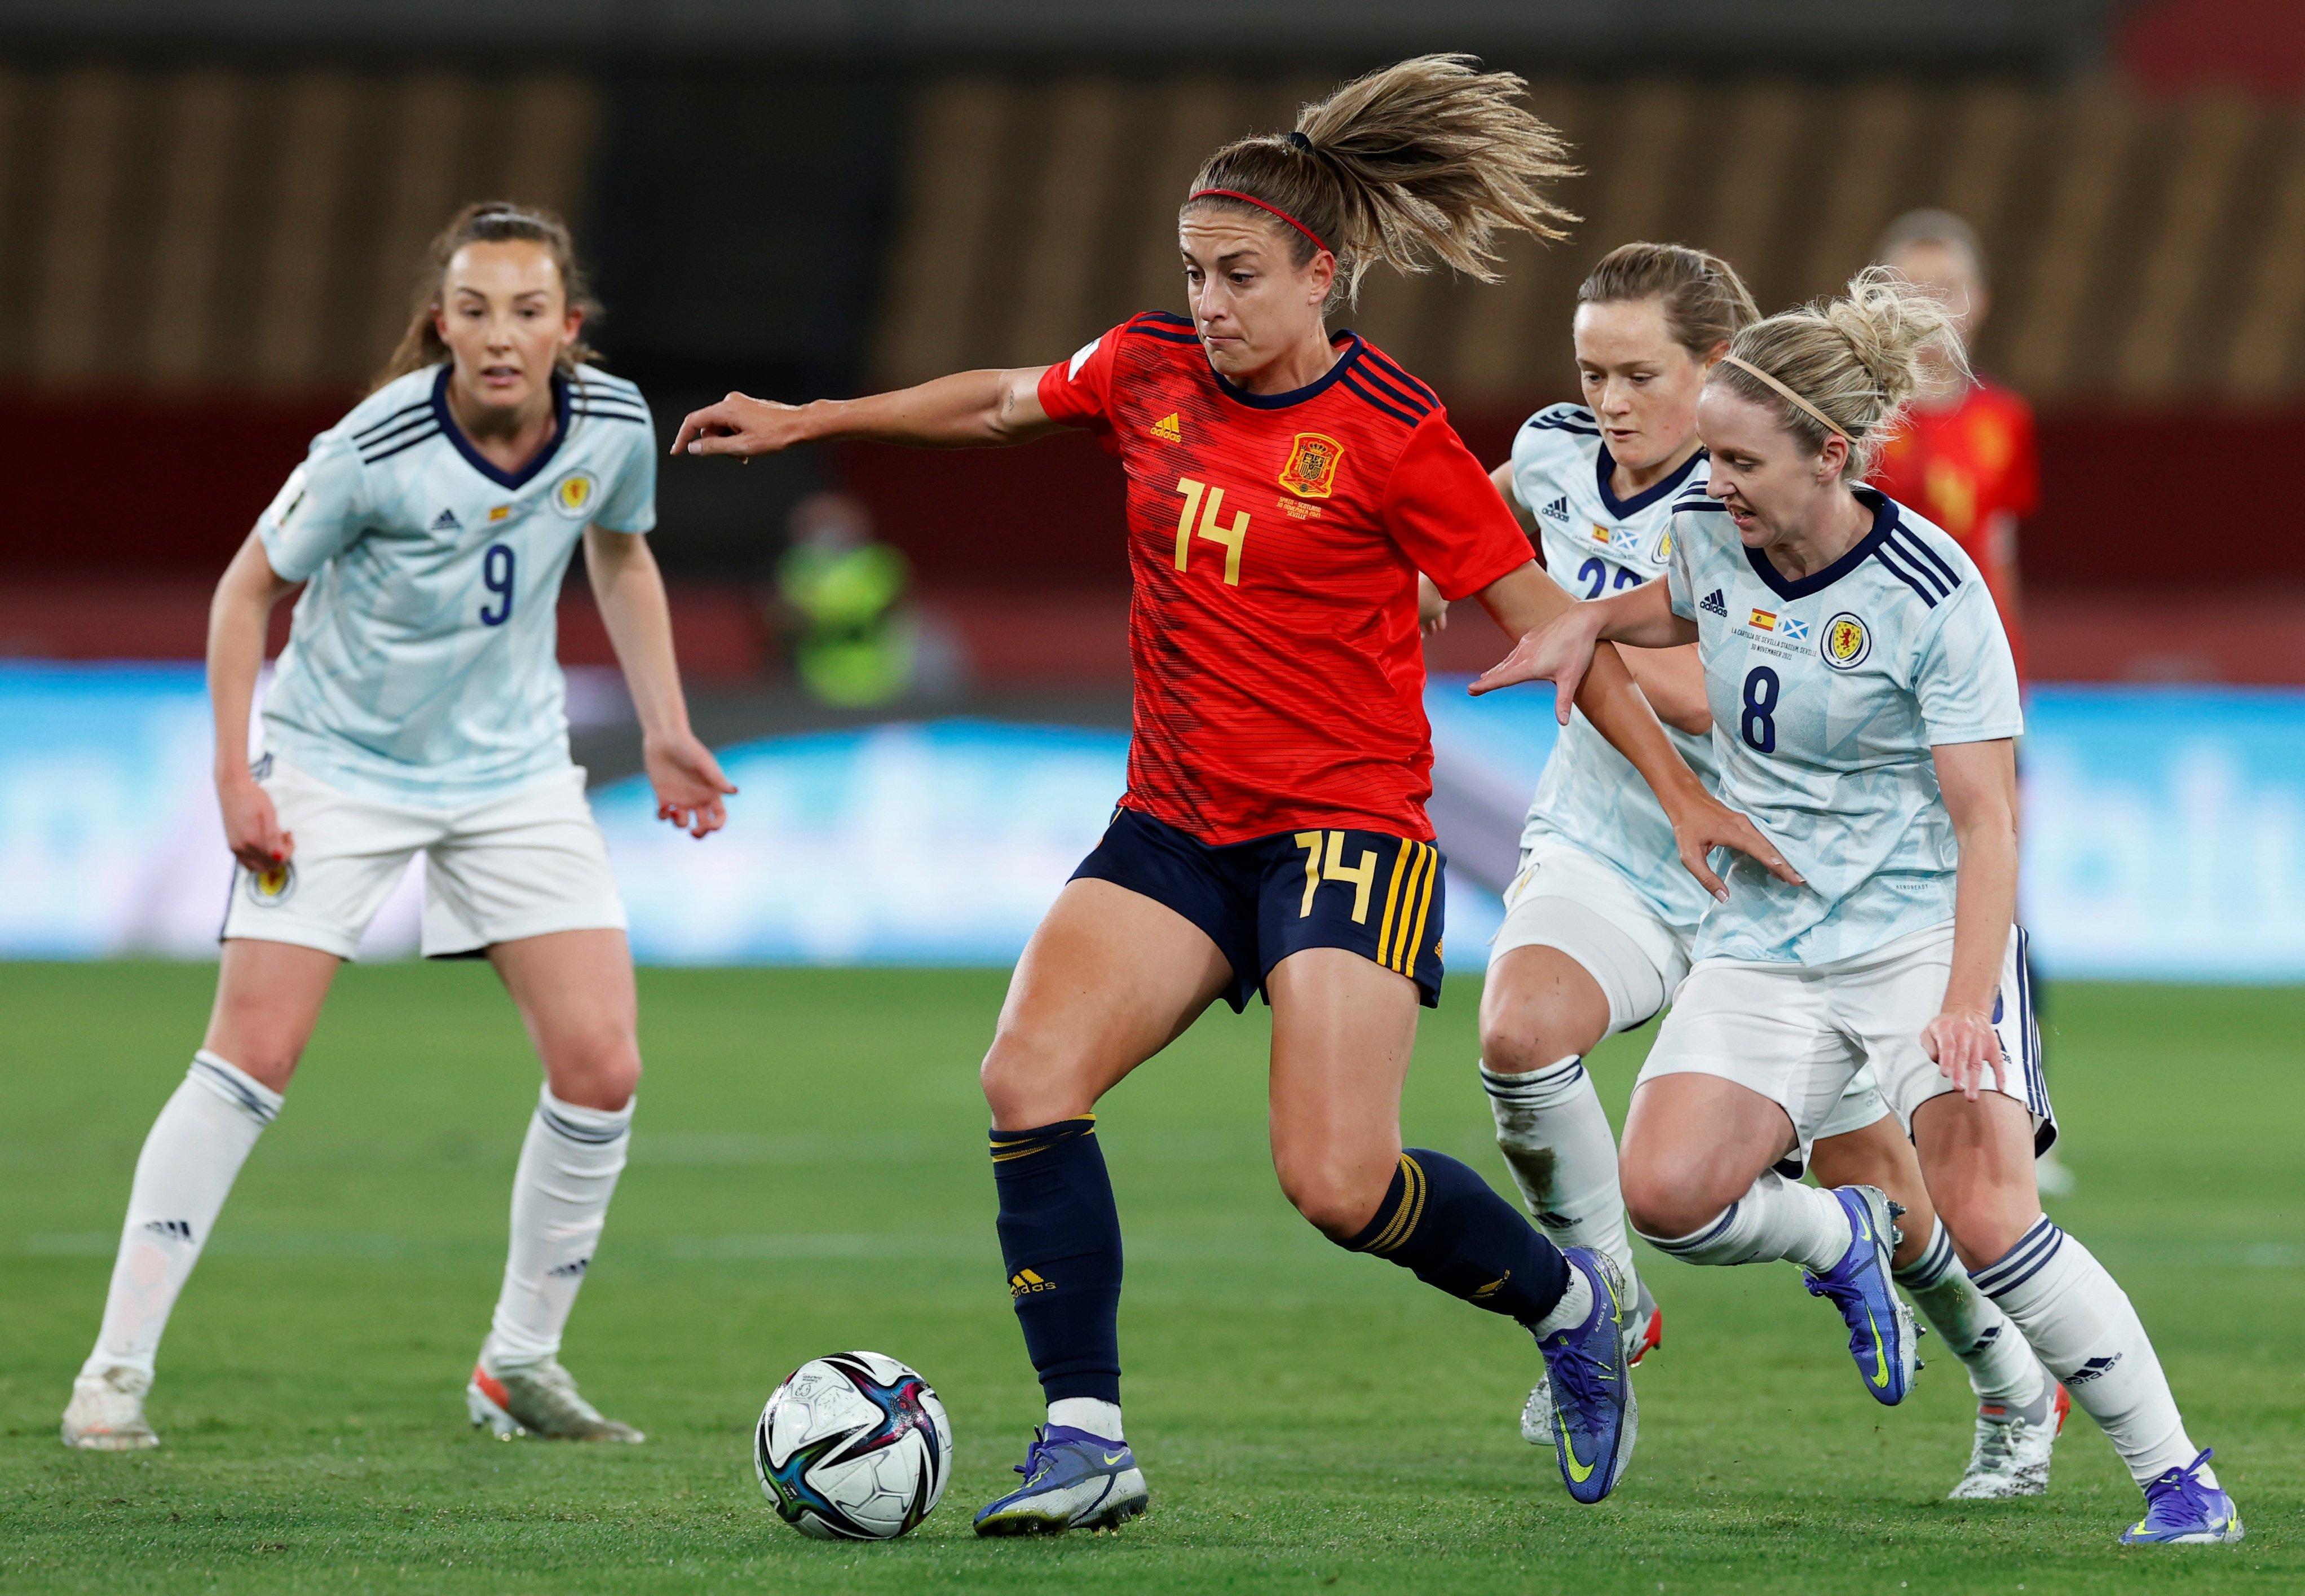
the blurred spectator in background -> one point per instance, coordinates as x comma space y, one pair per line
843, 590
1965, 457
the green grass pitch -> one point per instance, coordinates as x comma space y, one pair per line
809, 1176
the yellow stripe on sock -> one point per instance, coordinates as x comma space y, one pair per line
1003, 1151
1404, 1217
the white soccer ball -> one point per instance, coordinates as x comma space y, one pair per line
853, 1447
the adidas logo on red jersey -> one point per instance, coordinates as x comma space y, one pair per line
1168, 429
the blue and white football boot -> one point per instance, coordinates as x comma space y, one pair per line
1595, 1417
2180, 1510
1882, 1334
1073, 1480
1644, 1333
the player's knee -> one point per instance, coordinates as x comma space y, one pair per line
1333, 1198
1518, 1043
1026, 1084
1662, 1201
602, 1071
1983, 1226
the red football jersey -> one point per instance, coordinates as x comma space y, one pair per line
1274, 541
1972, 468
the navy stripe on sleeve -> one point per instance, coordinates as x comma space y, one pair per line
421, 437
1910, 542
1927, 594
406, 410
1394, 411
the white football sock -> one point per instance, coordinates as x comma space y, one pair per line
191, 1156
1563, 1155
1777, 1218
2003, 1370
2081, 1325
1101, 1419
1574, 1308
568, 1169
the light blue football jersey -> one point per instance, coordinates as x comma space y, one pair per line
421, 667
1596, 544
1827, 695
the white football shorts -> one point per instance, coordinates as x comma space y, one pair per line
1567, 899
522, 864
1800, 1034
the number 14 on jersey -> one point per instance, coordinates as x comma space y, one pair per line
1203, 501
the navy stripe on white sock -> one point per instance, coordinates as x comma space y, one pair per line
1544, 1082
232, 1085
590, 1135
2022, 1262
1930, 1267
1682, 1245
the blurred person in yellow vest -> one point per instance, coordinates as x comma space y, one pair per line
845, 591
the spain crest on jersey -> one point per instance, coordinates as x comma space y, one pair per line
1312, 469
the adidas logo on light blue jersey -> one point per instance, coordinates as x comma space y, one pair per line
1714, 604
446, 521
1557, 509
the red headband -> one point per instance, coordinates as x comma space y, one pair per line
1261, 205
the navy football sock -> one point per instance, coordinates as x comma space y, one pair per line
1061, 1240
1443, 1224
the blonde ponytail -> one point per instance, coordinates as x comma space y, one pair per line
1419, 163
1852, 364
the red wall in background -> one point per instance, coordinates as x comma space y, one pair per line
145, 486
1042, 515
2141, 563
149, 488
2172, 46
2116, 489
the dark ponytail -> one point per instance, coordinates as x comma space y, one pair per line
492, 221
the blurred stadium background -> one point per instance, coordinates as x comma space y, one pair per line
210, 214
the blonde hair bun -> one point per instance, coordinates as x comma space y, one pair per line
1858, 359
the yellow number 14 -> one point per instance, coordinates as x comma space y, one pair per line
1203, 501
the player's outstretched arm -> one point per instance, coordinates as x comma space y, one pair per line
1562, 642
967, 410
1979, 783
237, 617
690, 787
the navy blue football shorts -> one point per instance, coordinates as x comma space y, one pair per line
1367, 892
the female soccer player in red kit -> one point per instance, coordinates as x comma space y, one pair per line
1965, 456
1284, 486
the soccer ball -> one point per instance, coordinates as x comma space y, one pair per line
853, 1446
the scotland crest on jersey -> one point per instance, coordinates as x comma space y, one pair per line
1828, 693
1596, 544
421, 667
